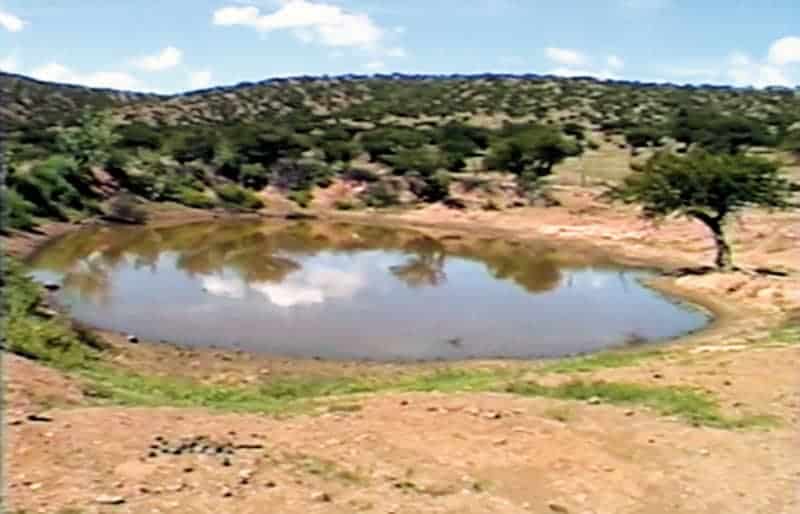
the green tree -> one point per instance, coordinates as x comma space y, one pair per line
90, 142
530, 150
707, 187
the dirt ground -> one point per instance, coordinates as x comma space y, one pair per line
456, 452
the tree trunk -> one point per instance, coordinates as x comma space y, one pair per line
724, 258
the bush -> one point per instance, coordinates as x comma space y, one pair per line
234, 195
254, 175
17, 212
360, 174
433, 188
46, 188
344, 205
378, 194
301, 198
139, 135
196, 199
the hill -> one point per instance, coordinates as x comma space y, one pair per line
382, 140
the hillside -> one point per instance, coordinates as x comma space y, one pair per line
380, 140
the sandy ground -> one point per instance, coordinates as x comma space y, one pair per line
451, 453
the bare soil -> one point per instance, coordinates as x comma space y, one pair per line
455, 452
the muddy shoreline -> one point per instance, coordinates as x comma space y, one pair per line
726, 318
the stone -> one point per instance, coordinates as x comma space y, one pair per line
630, 413
106, 499
500, 442
557, 507
270, 484
492, 415
658, 375
320, 496
132, 339
246, 474
52, 286
226, 462
188, 469
41, 418
594, 400
705, 453
226, 492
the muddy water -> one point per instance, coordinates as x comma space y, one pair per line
342, 291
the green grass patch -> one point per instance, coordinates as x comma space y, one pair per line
603, 360
687, 404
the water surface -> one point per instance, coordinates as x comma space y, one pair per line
343, 291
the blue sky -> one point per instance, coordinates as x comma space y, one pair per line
177, 45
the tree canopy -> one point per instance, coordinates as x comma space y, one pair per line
707, 187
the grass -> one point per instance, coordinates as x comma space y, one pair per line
684, 403
603, 360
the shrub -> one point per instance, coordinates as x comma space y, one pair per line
196, 199
433, 188
359, 174
17, 212
234, 195
344, 205
378, 194
301, 198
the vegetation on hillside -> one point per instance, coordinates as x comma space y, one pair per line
400, 137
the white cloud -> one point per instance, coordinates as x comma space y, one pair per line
200, 79
744, 71
9, 64
785, 51
11, 22
564, 71
167, 58
320, 22
56, 72
375, 65
311, 287
565, 56
225, 287
615, 62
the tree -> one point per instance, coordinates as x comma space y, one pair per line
707, 187
531, 149
92, 140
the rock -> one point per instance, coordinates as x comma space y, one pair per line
320, 496
594, 400
41, 418
270, 484
249, 446
52, 286
658, 375
727, 382
132, 339
557, 507
106, 499
246, 474
226, 492
492, 415
705, 453
500, 442
226, 462
188, 469
630, 412
404, 402
16, 421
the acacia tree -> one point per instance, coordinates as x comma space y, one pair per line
707, 187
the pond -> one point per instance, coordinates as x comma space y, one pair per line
339, 291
